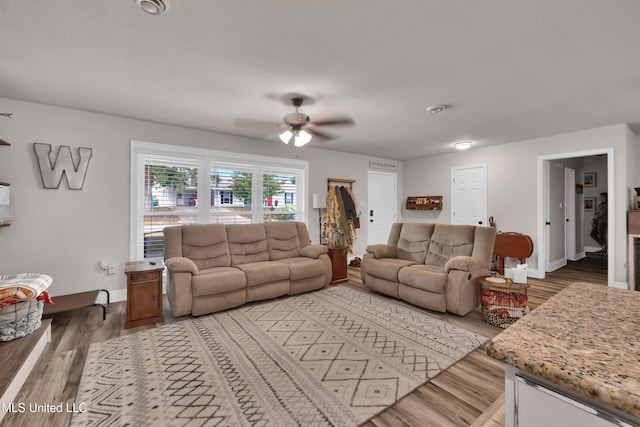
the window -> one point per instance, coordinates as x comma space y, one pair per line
174, 185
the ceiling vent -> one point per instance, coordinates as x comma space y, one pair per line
152, 7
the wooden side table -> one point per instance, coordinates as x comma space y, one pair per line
338, 255
144, 292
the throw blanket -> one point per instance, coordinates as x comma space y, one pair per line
16, 288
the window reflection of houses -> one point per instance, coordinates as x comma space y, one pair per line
222, 193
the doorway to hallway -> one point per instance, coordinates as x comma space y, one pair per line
566, 213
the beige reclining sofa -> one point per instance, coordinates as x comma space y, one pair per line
214, 267
433, 266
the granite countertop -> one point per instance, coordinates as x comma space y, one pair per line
585, 339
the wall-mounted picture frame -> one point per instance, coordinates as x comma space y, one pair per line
589, 179
579, 189
589, 203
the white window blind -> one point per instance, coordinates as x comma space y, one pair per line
170, 198
172, 185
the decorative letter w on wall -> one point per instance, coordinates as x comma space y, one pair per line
62, 164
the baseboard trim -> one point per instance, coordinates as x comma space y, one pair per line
620, 285
559, 263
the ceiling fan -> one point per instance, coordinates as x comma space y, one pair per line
298, 126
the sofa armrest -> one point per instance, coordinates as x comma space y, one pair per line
181, 265
466, 263
313, 251
383, 251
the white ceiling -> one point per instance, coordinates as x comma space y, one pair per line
508, 69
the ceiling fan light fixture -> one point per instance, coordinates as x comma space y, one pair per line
302, 138
286, 136
152, 7
462, 145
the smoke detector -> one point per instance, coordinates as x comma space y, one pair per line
152, 7
436, 109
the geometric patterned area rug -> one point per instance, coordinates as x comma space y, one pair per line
337, 356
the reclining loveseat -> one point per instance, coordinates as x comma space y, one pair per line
433, 266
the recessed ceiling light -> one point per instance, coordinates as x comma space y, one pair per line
436, 109
462, 145
152, 7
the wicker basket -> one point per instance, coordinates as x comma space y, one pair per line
494, 318
503, 302
20, 319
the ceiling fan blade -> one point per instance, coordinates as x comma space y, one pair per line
335, 121
321, 135
256, 124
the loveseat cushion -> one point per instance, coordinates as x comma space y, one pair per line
219, 280
206, 245
414, 241
386, 268
424, 277
448, 241
467, 263
282, 240
247, 243
314, 251
262, 272
181, 265
303, 268
383, 251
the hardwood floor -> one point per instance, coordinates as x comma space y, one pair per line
468, 393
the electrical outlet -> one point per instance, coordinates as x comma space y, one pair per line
111, 269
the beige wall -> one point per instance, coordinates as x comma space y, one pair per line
65, 232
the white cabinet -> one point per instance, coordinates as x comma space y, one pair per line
533, 402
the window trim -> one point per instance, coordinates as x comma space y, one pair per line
205, 157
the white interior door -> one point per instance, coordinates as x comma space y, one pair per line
570, 213
383, 199
469, 195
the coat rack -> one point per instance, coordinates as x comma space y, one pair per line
340, 180
338, 254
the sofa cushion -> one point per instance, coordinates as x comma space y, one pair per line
219, 280
282, 240
262, 272
424, 277
206, 245
386, 268
302, 268
383, 251
247, 243
449, 240
414, 241
314, 251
